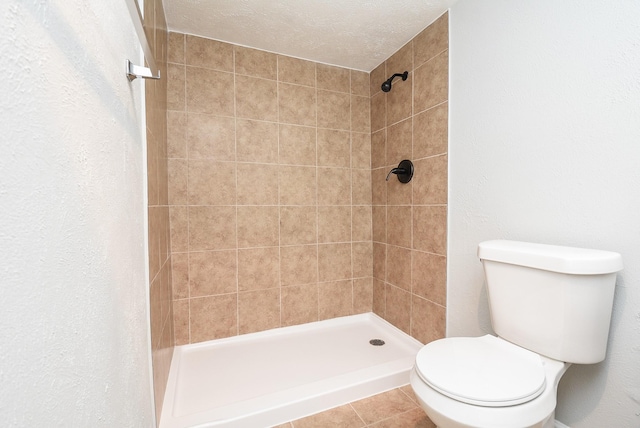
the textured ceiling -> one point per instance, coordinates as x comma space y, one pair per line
357, 34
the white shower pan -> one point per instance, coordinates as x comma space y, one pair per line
271, 377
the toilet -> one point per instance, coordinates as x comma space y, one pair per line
550, 308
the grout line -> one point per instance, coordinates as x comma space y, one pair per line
279, 279
235, 115
186, 149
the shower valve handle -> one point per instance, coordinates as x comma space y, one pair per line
404, 171
396, 171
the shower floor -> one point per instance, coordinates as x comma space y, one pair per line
271, 377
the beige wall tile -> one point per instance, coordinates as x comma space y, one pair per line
398, 145
410, 218
153, 186
379, 223
361, 150
430, 186
212, 273
297, 145
257, 184
209, 53
432, 40
165, 235
298, 225
254, 62
430, 229
256, 141
176, 48
297, 104
180, 279
176, 134
360, 83
334, 148
298, 265
335, 299
169, 224
378, 111
400, 61
163, 181
429, 276
209, 91
398, 308
334, 224
379, 297
211, 182
181, 321
211, 137
256, 98
155, 316
258, 268
178, 173
333, 78
361, 219
334, 262
176, 87
362, 295
297, 185
179, 218
362, 253
379, 149
324, 185
334, 110
399, 267
212, 228
379, 186
399, 193
360, 114
431, 84
334, 186
429, 320
213, 317
361, 187
258, 310
298, 71
377, 76
299, 304
258, 226
399, 100
399, 225
430, 132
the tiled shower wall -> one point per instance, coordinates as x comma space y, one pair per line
270, 189
160, 293
409, 220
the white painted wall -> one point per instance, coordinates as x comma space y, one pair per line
545, 147
74, 336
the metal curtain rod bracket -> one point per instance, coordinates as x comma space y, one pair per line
133, 71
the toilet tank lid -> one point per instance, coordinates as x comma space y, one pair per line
570, 260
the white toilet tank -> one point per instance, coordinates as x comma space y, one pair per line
555, 301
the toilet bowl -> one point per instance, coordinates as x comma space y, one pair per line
486, 382
550, 307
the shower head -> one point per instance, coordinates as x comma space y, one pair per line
386, 85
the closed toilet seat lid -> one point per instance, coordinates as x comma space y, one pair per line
485, 371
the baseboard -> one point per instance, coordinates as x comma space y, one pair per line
558, 424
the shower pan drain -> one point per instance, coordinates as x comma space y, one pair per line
376, 342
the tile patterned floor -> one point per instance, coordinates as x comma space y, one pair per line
397, 408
